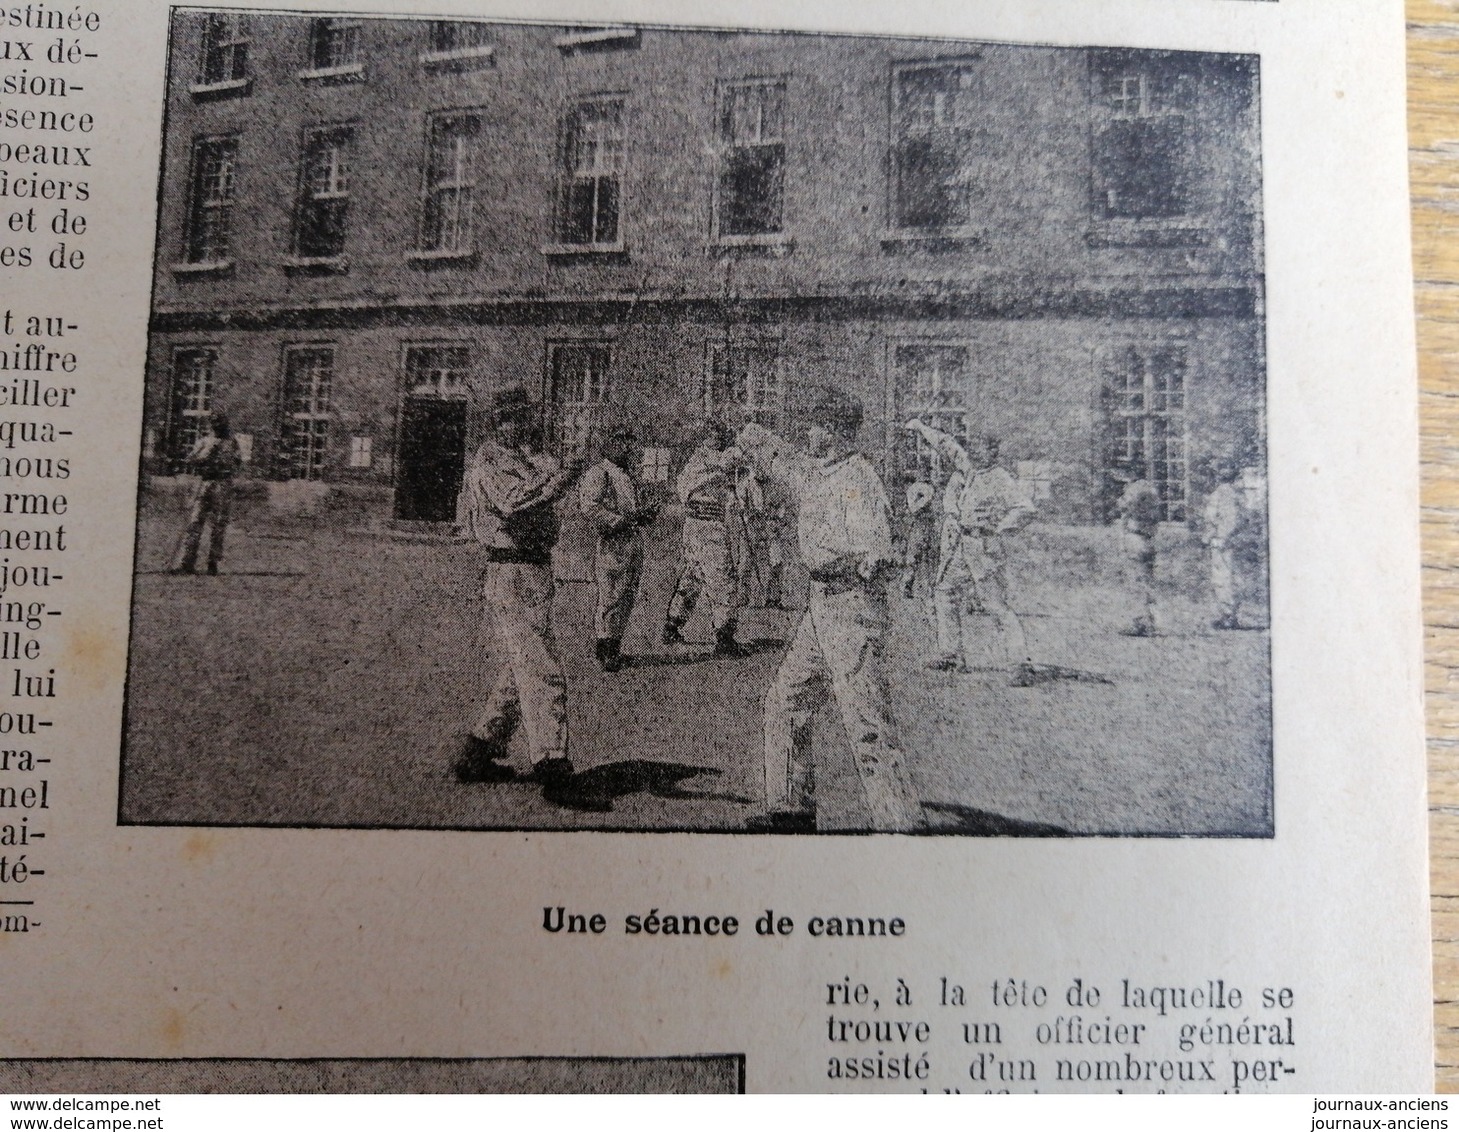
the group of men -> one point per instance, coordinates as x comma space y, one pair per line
959, 543
1229, 529
845, 541
981, 502
734, 490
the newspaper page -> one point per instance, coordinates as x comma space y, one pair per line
731, 547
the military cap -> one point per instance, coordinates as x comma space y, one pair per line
837, 411
512, 402
716, 429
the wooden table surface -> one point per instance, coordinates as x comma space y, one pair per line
1433, 132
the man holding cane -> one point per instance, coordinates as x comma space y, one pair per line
507, 507
845, 541
990, 503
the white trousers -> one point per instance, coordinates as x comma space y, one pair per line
837, 654
616, 568
709, 572
1223, 580
529, 688
969, 570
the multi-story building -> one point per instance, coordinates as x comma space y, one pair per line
368, 225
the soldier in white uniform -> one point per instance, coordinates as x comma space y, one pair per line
949, 534
759, 558
215, 460
844, 535
1138, 509
506, 507
609, 501
919, 534
706, 487
1221, 522
990, 503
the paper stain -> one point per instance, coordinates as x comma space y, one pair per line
200, 849
722, 969
92, 656
174, 1029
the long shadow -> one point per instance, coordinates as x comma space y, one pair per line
669, 660
969, 822
1044, 674
595, 790
1053, 673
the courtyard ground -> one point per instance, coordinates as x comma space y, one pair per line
326, 676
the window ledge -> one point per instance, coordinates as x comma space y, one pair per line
318, 265
484, 56
932, 243
619, 248
596, 38
228, 88
345, 73
1177, 233
203, 268
432, 257
766, 243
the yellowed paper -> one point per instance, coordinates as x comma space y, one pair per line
830, 550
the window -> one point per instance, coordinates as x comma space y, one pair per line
932, 381
225, 50
579, 390
933, 107
585, 39
1144, 400
746, 377
592, 174
458, 35
334, 43
655, 465
308, 378
193, 378
324, 196
439, 371
751, 187
210, 212
458, 45
1141, 152
450, 184
1040, 477
360, 451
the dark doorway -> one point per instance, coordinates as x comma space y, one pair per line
432, 457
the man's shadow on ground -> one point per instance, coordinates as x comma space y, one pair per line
699, 656
596, 789
947, 817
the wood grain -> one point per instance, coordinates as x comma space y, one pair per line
1433, 132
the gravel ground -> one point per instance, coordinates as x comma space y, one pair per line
326, 676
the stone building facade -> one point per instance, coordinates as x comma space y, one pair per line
368, 225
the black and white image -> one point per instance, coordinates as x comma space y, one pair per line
711, 1074
632, 428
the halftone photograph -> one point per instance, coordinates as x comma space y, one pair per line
714, 1074
629, 428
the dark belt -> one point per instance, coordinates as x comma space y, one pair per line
839, 580
512, 556
705, 512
